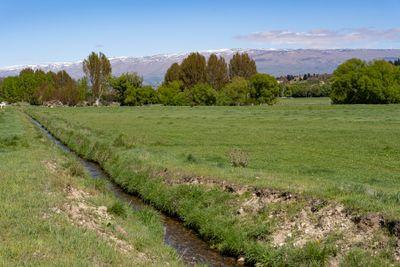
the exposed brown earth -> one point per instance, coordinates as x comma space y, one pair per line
82, 213
316, 221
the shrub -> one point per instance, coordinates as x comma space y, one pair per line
238, 158
235, 93
202, 94
191, 158
138, 96
171, 94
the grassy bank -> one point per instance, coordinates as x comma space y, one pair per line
52, 213
305, 162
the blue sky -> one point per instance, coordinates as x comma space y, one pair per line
50, 31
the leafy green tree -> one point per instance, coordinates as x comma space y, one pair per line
68, 91
97, 68
345, 81
122, 83
263, 89
46, 90
202, 94
173, 73
132, 97
62, 79
83, 88
358, 82
58, 86
170, 94
235, 93
217, 72
10, 90
147, 95
242, 65
37, 87
193, 70
24, 87
29, 82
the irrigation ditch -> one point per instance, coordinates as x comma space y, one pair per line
191, 249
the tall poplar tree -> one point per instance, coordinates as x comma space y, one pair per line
97, 68
217, 72
173, 73
193, 70
241, 65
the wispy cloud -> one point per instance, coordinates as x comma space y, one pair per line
99, 46
323, 38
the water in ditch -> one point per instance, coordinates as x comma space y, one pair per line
190, 248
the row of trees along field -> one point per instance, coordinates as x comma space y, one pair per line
38, 87
196, 81
201, 81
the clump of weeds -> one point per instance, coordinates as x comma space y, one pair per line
239, 158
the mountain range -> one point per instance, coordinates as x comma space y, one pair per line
275, 62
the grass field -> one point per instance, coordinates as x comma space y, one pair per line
177, 158
53, 214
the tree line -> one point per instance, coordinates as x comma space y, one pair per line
196, 81
200, 81
37, 87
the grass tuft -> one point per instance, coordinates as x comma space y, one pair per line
74, 168
191, 158
122, 140
13, 141
118, 209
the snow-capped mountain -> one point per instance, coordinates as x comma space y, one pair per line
275, 62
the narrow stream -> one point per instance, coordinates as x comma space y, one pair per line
190, 248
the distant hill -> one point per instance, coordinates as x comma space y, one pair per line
275, 62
